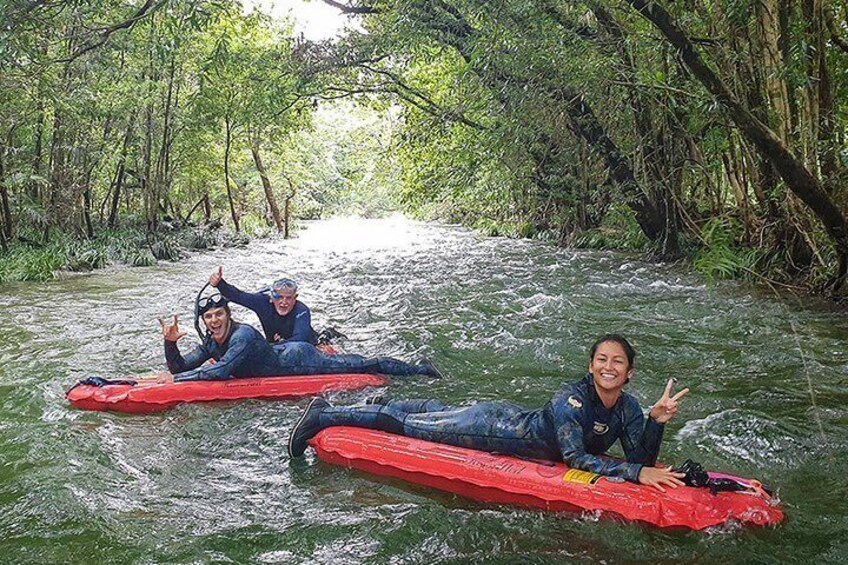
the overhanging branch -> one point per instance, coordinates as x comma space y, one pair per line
103, 35
350, 9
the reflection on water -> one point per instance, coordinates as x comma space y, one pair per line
504, 319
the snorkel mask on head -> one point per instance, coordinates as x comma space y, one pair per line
284, 284
211, 302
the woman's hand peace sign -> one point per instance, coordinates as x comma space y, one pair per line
666, 407
171, 331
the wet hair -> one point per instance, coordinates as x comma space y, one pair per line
615, 338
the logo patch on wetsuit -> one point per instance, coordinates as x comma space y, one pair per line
574, 402
578, 476
600, 428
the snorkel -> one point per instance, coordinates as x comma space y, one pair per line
197, 311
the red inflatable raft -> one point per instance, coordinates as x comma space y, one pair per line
551, 486
148, 397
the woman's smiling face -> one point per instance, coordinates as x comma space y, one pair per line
610, 367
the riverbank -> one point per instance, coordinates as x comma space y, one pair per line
28, 260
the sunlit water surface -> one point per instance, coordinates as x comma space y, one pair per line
503, 319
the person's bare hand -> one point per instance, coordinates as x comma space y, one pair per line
666, 407
216, 277
171, 331
165, 378
659, 477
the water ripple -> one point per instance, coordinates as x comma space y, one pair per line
504, 319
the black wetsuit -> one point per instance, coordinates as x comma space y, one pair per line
294, 326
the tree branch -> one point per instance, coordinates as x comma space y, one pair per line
422, 102
349, 9
103, 36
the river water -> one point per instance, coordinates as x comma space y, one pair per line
503, 319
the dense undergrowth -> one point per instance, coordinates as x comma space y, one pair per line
134, 246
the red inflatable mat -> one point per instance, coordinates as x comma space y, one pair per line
551, 486
148, 397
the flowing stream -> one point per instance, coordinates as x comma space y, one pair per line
503, 319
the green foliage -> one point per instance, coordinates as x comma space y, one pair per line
25, 264
490, 228
345, 163
256, 226
200, 238
526, 230
86, 256
129, 246
167, 248
619, 231
722, 257
140, 258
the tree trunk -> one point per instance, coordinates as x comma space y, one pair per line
266, 185
207, 209
86, 207
227, 146
655, 162
772, 66
739, 192
820, 91
5, 209
120, 171
148, 184
796, 176
589, 127
762, 176
38, 151
162, 161
194, 208
57, 171
287, 207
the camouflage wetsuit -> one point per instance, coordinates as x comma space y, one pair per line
574, 427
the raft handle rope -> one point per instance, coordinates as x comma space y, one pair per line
100, 382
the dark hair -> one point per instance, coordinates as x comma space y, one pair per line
223, 304
615, 338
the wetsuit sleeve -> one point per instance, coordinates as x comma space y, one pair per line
227, 365
178, 364
252, 300
568, 422
302, 330
641, 440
